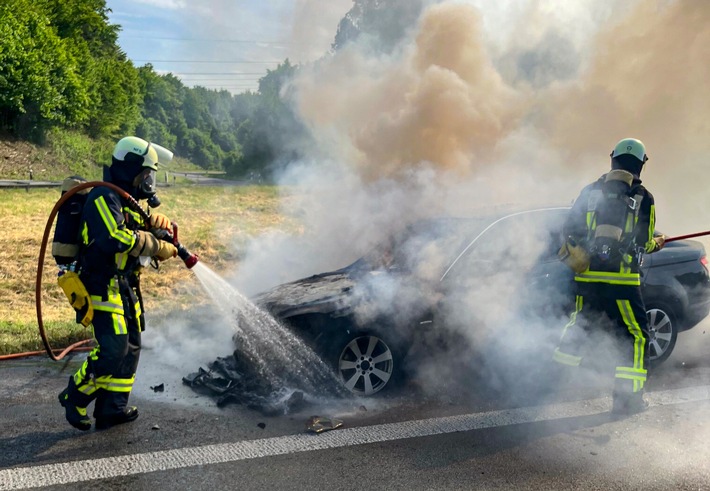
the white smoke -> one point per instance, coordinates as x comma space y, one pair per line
484, 106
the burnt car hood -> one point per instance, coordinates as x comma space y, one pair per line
321, 293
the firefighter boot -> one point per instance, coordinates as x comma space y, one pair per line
128, 414
76, 415
628, 403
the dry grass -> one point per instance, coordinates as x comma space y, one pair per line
214, 222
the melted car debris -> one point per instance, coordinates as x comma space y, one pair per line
319, 424
230, 380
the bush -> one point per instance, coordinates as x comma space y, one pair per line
80, 153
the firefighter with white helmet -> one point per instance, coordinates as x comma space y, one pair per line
114, 239
611, 225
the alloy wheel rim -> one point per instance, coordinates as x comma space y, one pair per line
365, 365
661, 332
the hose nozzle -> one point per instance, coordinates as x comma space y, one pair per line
187, 257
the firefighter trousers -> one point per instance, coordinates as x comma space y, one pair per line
619, 311
108, 374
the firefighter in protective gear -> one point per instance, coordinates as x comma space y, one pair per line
115, 242
614, 219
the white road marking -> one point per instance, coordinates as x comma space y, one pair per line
124, 465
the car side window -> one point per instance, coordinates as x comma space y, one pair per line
513, 244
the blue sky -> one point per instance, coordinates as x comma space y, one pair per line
225, 43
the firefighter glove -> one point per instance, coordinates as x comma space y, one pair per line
160, 221
165, 251
146, 244
78, 296
660, 241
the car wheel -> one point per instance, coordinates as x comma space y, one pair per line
366, 364
663, 332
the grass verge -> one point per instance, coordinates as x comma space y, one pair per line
214, 222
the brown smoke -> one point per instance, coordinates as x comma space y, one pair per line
443, 102
648, 79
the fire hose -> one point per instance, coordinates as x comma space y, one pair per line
188, 258
687, 236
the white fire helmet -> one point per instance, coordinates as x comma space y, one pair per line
630, 146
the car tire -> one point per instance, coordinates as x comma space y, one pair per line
663, 331
366, 363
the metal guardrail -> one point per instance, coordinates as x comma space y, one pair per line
29, 184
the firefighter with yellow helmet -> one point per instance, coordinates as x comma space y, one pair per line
611, 225
114, 239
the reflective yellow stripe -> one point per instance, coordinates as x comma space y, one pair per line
112, 306
119, 324
121, 235
566, 359
573, 316
111, 384
650, 246
113, 303
88, 388
638, 377
80, 374
134, 215
631, 279
121, 260
639, 347
632, 372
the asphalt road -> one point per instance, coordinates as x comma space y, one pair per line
405, 441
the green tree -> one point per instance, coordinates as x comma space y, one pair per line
272, 135
84, 21
114, 95
384, 22
39, 80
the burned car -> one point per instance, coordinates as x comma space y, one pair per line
365, 318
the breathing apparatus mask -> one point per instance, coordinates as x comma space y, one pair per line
134, 165
144, 184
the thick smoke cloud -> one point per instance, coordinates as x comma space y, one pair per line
470, 114
439, 101
646, 79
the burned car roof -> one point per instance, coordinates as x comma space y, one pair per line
435, 243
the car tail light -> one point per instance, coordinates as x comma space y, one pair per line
704, 262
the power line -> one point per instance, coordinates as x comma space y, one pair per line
226, 86
203, 61
207, 40
198, 77
218, 80
223, 73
